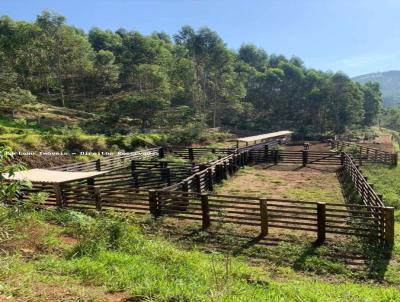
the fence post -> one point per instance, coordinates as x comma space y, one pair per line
135, 180
210, 179
342, 158
205, 211
225, 171
59, 195
217, 174
191, 156
275, 157
305, 158
185, 186
90, 183
242, 159
133, 167
98, 164
266, 152
97, 197
321, 221
230, 167
264, 216
161, 152
166, 175
389, 226
250, 158
198, 183
153, 207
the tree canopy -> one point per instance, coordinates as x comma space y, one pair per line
130, 75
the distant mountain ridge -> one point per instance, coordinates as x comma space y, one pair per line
390, 85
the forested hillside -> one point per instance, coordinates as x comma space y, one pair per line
389, 82
187, 82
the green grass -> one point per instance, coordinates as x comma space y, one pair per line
313, 193
113, 254
386, 181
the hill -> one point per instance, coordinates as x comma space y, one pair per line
390, 85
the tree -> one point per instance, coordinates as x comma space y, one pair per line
15, 99
345, 102
68, 51
105, 72
105, 40
143, 109
372, 100
253, 56
9, 190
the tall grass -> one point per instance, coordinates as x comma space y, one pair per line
113, 254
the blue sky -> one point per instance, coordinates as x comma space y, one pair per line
354, 36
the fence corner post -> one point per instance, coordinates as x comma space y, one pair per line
205, 211
97, 197
389, 226
321, 221
264, 216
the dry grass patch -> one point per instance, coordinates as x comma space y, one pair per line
309, 183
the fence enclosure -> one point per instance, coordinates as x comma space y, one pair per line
182, 190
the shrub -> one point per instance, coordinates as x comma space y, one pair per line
33, 141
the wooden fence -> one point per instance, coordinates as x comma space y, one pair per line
303, 158
212, 172
360, 182
363, 153
180, 190
321, 218
197, 153
264, 213
108, 163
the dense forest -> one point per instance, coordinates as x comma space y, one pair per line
138, 83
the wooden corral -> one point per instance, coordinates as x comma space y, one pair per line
185, 190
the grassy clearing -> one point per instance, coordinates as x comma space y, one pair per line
76, 257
